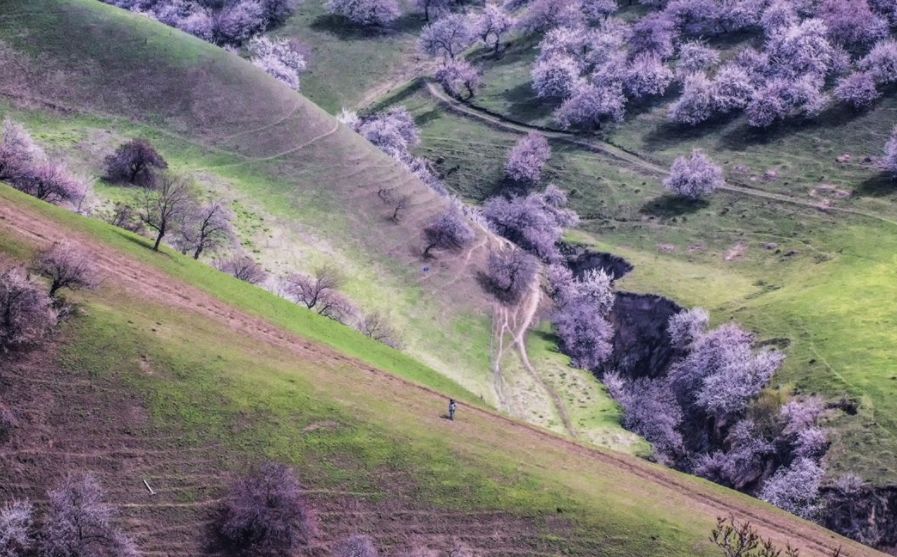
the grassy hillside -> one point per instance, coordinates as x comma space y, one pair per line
810, 277
303, 187
163, 356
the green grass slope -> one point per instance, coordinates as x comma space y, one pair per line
304, 187
372, 451
813, 277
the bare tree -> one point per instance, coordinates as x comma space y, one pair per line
397, 202
163, 205
315, 291
376, 326
26, 311
205, 227
265, 513
134, 162
242, 267
79, 522
66, 266
16, 528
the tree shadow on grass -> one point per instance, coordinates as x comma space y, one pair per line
347, 31
669, 206
743, 135
525, 105
880, 185
669, 134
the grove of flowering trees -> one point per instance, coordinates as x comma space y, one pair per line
527, 158
595, 64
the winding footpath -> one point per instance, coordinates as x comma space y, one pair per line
631, 159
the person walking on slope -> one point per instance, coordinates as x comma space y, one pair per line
452, 407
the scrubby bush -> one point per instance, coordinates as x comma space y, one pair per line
365, 13
857, 90
134, 162
432, 8
242, 267
459, 79
509, 273
535, 222
79, 522
279, 59
448, 231
26, 311
204, 228
266, 514
527, 158
694, 176
447, 36
66, 266
356, 546
16, 529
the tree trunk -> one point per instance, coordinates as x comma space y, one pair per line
427, 251
198, 251
159, 238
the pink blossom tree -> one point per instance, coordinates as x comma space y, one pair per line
448, 231
852, 23
591, 106
26, 311
731, 89
556, 76
696, 103
365, 13
134, 162
357, 545
509, 274
527, 159
79, 522
492, 24
535, 222
694, 177
459, 79
857, 90
265, 513
66, 266
647, 76
881, 62
279, 59
654, 34
16, 528
448, 36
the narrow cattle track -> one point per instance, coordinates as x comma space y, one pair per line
142, 280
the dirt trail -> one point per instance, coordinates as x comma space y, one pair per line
121, 271
633, 159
